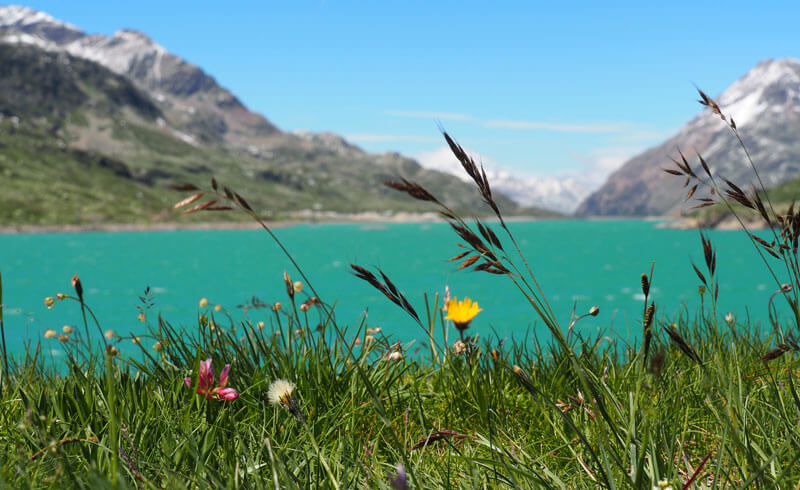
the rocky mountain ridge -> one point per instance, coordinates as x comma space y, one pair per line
122, 114
764, 103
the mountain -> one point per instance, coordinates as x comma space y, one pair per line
94, 129
561, 195
765, 105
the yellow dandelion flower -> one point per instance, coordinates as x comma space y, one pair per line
462, 312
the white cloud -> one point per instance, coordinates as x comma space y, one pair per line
602, 162
442, 116
405, 138
443, 160
563, 128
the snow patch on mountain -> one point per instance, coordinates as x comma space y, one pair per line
559, 193
17, 15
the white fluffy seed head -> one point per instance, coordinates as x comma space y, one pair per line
280, 391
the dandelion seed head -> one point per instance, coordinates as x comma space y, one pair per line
280, 392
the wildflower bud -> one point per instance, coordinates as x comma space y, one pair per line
76, 283
203, 302
203, 320
648, 315
368, 340
260, 325
495, 354
158, 347
701, 290
645, 285
49, 302
399, 481
289, 285
62, 337
66, 329
594, 311
459, 347
276, 306
49, 333
61, 296
136, 340
395, 356
357, 342
729, 318
109, 334
212, 326
297, 286
217, 307
304, 307
373, 331
111, 351
142, 317
785, 288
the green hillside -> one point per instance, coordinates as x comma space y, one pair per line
82, 145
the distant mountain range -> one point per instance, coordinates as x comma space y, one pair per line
94, 128
764, 103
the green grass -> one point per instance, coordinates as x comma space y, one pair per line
366, 413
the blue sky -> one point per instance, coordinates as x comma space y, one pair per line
540, 88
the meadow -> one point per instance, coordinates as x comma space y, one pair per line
701, 400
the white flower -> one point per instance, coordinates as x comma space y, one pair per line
729, 318
280, 392
395, 356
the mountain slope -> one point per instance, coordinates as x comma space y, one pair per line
765, 103
132, 119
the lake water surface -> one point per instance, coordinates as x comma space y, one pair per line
581, 263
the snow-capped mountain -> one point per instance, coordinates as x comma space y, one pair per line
765, 105
561, 193
196, 104
558, 194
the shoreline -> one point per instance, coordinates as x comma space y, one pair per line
366, 218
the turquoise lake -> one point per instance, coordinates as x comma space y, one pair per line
580, 263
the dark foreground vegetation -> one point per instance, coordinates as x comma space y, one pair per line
284, 397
